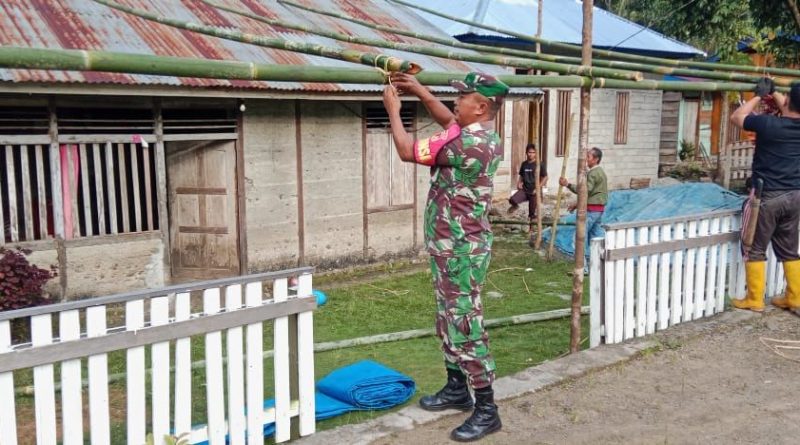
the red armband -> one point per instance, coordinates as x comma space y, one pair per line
425, 150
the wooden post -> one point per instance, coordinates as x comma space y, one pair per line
723, 170
580, 226
161, 190
537, 187
539, 25
560, 194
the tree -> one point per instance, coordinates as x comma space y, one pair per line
779, 21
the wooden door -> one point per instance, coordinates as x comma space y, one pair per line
203, 231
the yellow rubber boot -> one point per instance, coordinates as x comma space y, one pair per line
754, 300
791, 300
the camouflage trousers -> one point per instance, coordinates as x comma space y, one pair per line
457, 283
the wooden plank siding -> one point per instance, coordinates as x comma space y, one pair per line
670, 118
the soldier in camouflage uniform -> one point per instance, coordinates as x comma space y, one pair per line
463, 160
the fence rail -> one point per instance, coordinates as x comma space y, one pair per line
227, 316
649, 275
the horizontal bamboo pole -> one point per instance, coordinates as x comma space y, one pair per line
442, 53
378, 60
115, 62
627, 66
608, 53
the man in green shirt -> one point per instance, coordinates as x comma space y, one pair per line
597, 189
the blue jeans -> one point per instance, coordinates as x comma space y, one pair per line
593, 230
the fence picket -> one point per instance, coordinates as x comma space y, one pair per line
595, 292
69, 327
135, 365
98, 380
236, 407
159, 356
722, 266
663, 281
641, 288
86, 191
711, 274
27, 193
8, 421
215, 389
772, 266
305, 358
44, 384
652, 283
41, 192
183, 369
700, 272
688, 275
630, 290
619, 293
280, 292
609, 275
11, 185
98, 188
676, 301
148, 188
137, 203
112, 192
255, 369
123, 188
73, 165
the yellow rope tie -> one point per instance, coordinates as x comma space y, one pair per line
387, 75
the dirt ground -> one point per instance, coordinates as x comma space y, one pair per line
722, 386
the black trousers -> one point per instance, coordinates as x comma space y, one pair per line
778, 219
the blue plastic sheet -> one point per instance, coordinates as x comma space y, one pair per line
361, 386
693, 198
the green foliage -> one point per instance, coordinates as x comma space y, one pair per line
688, 171
183, 439
687, 151
717, 26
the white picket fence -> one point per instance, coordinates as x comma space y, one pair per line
164, 321
649, 275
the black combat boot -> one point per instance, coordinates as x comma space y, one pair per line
454, 395
484, 420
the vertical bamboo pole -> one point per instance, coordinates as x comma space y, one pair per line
539, 25
537, 188
560, 194
580, 227
723, 172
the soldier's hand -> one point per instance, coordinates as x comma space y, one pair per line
563, 181
390, 100
765, 87
572, 207
406, 83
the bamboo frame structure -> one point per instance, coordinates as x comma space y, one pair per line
608, 53
439, 52
488, 49
387, 63
118, 62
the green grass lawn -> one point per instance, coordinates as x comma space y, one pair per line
519, 282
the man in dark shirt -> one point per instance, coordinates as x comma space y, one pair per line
776, 162
526, 187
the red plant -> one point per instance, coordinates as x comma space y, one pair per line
21, 282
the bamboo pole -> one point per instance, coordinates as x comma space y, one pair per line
386, 63
560, 194
439, 52
580, 222
607, 53
117, 62
487, 49
537, 171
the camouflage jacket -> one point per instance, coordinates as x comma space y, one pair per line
463, 164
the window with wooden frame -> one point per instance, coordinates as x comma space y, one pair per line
621, 117
389, 180
564, 113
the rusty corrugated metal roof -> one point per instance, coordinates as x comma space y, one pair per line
84, 24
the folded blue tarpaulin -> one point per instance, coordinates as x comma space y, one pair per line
692, 198
362, 386
367, 385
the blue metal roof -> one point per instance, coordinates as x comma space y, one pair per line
562, 21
